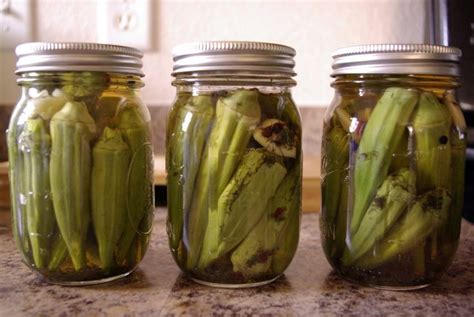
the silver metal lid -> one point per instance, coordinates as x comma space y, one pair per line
251, 57
41, 57
420, 59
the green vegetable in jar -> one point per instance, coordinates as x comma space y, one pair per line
391, 200
59, 253
111, 158
236, 116
452, 227
243, 202
35, 143
136, 135
431, 128
424, 216
253, 256
71, 131
284, 219
191, 127
382, 134
334, 163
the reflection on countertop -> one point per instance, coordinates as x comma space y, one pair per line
309, 287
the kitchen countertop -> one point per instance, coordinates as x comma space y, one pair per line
309, 287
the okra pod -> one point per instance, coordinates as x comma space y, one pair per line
333, 166
284, 219
382, 134
16, 178
110, 161
452, 228
139, 197
236, 117
425, 216
341, 221
253, 256
191, 128
59, 253
431, 129
243, 202
391, 200
35, 145
71, 131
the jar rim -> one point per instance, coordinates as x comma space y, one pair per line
420, 59
77, 56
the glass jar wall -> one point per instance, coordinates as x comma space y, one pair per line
393, 155
234, 172
81, 160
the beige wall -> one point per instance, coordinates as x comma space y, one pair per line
314, 28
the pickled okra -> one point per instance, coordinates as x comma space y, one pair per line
236, 116
236, 154
429, 211
382, 134
77, 142
392, 199
75, 185
15, 175
334, 163
192, 124
402, 161
71, 131
35, 143
431, 129
111, 158
284, 219
260, 173
253, 257
452, 228
398, 214
136, 135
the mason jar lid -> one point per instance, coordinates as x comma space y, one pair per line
417, 59
234, 56
45, 57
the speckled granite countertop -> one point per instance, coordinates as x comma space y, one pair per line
309, 287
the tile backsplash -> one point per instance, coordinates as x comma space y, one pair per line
312, 129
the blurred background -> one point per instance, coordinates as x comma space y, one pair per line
314, 28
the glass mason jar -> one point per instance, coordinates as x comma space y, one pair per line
234, 163
393, 155
80, 159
